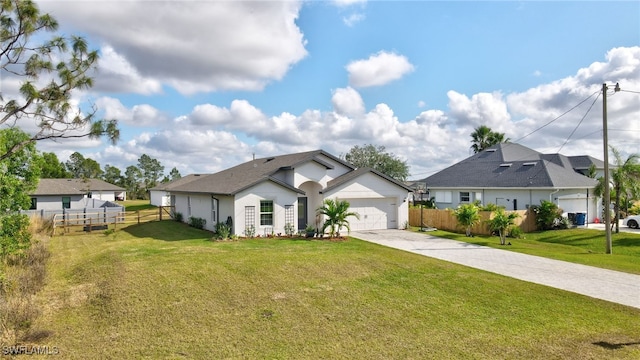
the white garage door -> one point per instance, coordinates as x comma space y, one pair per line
374, 214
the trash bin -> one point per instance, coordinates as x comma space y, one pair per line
580, 218
572, 218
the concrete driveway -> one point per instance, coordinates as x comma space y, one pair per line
609, 285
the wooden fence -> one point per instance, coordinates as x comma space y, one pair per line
88, 222
446, 220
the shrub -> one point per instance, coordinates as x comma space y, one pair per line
467, 216
178, 217
197, 222
15, 237
548, 215
501, 222
250, 231
516, 232
489, 207
289, 229
222, 231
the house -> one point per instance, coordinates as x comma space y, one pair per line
161, 196
516, 177
57, 194
265, 195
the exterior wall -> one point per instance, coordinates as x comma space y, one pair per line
371, 186
54, 202
103, 195
570, 200
160, 198
280, 196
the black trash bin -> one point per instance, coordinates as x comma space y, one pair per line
572, 218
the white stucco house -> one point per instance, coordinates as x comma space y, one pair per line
58, 194
268, 193
516, 177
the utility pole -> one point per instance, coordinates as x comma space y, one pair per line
607, 192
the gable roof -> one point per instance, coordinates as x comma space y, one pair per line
511, 165
248, 174
177, 182
340, 180
73, 186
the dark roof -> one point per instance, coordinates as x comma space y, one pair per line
583, 162
510, 165
250, 173
73, 186
354, 174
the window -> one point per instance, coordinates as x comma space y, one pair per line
214, 210
443, 196
464, 196
34, 204
66, 202
266, 212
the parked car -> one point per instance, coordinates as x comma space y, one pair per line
632, 221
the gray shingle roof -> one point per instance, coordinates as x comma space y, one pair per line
510, 165
250, 173
354, 174
73, 186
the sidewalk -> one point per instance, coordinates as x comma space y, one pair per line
609, 285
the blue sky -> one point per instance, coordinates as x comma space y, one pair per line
204, 85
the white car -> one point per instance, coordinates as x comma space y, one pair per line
632, 221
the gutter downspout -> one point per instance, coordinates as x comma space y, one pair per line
551, 195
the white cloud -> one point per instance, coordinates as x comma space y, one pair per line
347, 101
353, 19
200, 46
379, 69
347, 3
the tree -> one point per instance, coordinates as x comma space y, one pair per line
482, 137
467, 215
132, 176
113, 175
80, 167
501, 222
625, 180
151, 170
370, 156
19, 176
173, 175
336, 212
52, 168
48, 74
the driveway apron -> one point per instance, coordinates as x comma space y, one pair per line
609, 285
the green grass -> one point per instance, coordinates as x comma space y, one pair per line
135, 205
583, 246
164, 290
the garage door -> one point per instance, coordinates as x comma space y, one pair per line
374, 214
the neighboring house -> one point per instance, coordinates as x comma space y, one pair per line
516, 177
161, 196
58, 194
266, 194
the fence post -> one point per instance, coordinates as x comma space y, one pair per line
138, 212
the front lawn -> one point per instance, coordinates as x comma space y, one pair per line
583, 246
164, 290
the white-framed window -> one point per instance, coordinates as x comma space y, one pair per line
214, 210
465, 196
266, 212
443, 196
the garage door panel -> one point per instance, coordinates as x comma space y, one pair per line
374, 214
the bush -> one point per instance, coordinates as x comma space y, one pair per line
548, 215
250, 231
15, 237
197, 222
178, 217
516, 232
223, 231
289, 229
489, 207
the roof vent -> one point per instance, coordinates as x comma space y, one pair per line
533, 163
490, 150
269, 159
506, 164
196, 174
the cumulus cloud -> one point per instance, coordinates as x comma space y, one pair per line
353, 19
200, 46
347, 101
379, 69
139, 115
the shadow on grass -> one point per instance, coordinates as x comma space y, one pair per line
612, 346
167, 230
626, 241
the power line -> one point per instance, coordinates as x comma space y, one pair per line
580, 122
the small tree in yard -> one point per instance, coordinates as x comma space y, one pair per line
547, 215
336, 212
467, 216
501, 222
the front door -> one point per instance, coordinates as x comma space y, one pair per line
302, 213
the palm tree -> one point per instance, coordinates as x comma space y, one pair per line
336, 212
482, 137
625, 180
501, 222
467, 216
